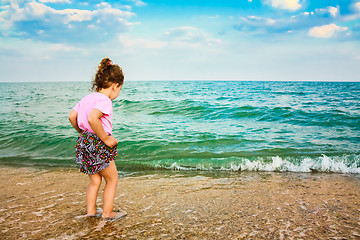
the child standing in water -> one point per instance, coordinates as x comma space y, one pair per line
96, 149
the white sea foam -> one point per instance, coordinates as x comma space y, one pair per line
322, 164
278, 164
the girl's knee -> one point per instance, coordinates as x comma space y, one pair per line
112, 179
95, 180
110, 173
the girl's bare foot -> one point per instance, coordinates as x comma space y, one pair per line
115, 215
98, 213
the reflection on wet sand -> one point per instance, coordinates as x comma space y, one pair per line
50, 204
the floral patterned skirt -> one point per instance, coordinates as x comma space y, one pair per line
92, 154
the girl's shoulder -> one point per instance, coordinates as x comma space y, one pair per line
96, 97
99, 96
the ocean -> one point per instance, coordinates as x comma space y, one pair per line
193, 125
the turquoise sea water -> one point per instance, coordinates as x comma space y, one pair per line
195, 125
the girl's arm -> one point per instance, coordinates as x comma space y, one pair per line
96, 126
73, 120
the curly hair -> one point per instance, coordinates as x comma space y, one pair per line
107, 74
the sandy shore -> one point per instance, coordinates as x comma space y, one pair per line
50, 204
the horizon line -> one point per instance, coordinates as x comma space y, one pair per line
192, 80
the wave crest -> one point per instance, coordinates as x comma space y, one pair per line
322, 164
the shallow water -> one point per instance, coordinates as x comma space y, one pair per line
50, 204
226, 126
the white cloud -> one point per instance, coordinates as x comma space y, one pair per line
300, 22
189, 36
140, 43
260, 25
326, 31
113, 12
55, 1
139, 3
48, 21
180, 33
39, 11
103, 5
256, 20
34, 9
184, 37
333, 11
357, 6
285, 4
74, 15
64, 48
356, 14
35, 50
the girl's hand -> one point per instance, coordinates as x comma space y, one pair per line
110, 141
80, 133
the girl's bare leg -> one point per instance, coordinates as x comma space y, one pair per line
91, 193
110, 175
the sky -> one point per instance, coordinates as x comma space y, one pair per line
285, 40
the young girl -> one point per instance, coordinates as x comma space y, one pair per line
96, 149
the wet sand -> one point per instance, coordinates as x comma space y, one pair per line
50, 204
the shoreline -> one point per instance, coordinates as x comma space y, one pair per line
50, 204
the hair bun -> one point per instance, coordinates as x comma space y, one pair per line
104, 64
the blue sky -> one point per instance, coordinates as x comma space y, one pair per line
63, 40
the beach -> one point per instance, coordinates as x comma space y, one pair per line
49, 203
